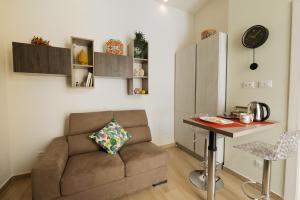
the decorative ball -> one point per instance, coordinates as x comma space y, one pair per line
207, 33
115, 47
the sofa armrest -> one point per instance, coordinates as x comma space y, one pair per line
47, 171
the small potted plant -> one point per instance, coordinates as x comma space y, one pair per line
140, 46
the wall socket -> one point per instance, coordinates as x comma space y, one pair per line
258, 164
265, 84
248, 84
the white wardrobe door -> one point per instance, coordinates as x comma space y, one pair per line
185, 80
207, 76
184, 134
185, 95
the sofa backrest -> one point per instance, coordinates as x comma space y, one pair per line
81, 125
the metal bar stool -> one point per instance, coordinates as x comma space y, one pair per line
286, 146
199, 178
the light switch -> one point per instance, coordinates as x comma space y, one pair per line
248, 84
266, 84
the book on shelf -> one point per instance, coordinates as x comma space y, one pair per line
88, 79
91, 81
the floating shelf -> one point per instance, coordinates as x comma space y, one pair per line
109, 65
82, 66
30, 58
138, 82
80, 86
140, 77
82, 75
55, 60
141, 59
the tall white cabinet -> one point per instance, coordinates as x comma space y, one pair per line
200, 87
185, 87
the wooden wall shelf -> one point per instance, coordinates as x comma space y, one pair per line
55, 60
113, 65
31, 58
138, 82
82, 75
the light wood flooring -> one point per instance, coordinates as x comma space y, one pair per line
177, 188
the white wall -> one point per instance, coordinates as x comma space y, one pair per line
4, 137
39, 105
273, 60
292, 168
214, 14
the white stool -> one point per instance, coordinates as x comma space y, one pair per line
286, 146
199, 178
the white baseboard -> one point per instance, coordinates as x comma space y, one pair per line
11, 177
244, 178
5, 182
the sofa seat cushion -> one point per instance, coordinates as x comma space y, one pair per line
142, 157
84, 171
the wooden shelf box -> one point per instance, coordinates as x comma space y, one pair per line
109, 65
30, 58
82, 75
140, 82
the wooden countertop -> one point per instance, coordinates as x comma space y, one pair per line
236, 131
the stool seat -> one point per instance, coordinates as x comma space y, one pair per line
259, 149
285, 147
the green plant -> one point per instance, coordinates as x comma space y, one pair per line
140, 45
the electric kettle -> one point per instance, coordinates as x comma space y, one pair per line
260, 110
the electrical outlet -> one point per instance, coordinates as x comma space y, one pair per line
266, 84
248, 84
258, 164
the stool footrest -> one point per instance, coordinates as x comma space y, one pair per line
247, 194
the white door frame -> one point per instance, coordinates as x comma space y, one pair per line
292, 171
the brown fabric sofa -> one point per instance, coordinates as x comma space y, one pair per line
74, 167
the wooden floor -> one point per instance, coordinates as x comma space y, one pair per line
177, 188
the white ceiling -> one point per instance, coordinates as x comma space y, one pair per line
191, 6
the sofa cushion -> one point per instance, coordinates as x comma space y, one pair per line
111, 138
131, 118
81, 124
139, 134
88, 170
142, 157
88, 122
81, 144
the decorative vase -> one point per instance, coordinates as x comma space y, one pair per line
141, 72
83, 57
137, 69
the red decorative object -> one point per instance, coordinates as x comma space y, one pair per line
236, 123
115, 47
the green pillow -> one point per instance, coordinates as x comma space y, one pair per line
112, 137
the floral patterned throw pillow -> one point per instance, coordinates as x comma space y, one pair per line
112, 137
